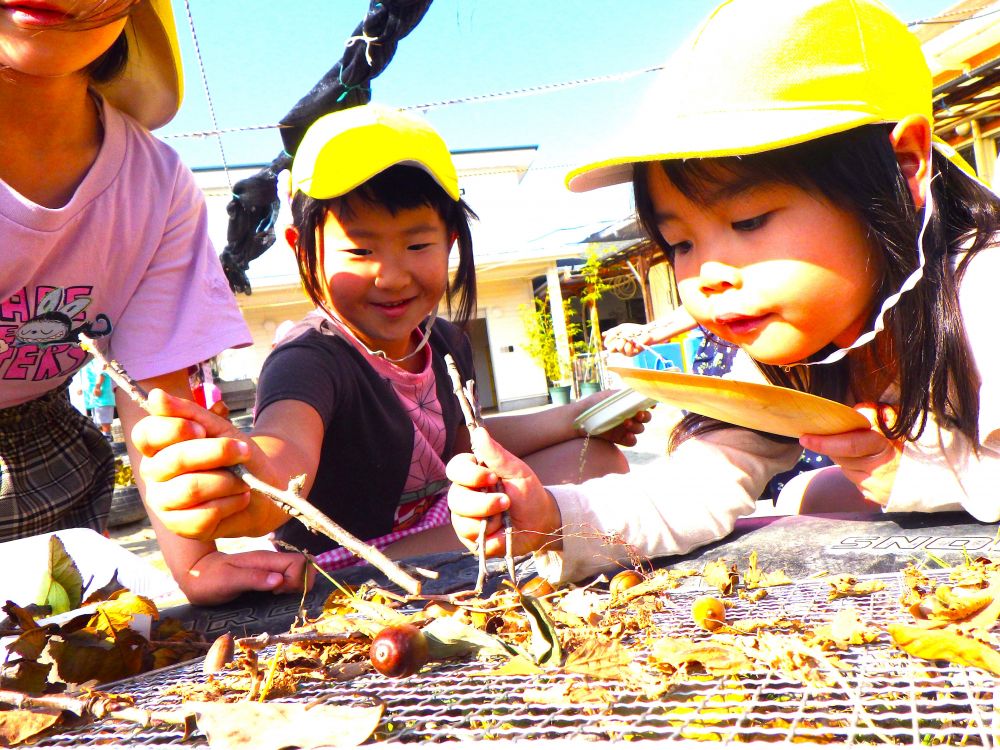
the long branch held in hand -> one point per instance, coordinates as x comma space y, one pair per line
469, 403
288, 500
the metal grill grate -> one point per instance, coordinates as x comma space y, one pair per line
884, 698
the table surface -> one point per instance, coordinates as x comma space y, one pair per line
803, 546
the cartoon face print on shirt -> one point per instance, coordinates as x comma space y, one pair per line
41, 341
53, 324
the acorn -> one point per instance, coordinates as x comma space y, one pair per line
399, 650
537, 587
708, 613
219, 655
624, 581
440, 609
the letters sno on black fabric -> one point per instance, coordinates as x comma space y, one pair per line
368, 444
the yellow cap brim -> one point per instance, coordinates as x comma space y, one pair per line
343, 150
151, 87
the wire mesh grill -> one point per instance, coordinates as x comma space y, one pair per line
884, 697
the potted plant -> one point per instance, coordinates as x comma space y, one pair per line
540, 344
594, 288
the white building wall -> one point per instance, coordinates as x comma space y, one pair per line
518, 380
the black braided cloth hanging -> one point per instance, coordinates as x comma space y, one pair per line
253, 209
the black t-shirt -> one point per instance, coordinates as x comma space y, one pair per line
368, 439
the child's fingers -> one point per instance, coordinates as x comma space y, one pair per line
202, 522
463, 469
193, 490
474, 504
468, 528
192, 456
152, 434
162, 404
488, 451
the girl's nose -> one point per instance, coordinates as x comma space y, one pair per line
717, 277
391, 276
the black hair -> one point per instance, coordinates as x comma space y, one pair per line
112, 63
398, 188
923, 349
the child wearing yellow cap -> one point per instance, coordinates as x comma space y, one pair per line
357, 397
785, 164
104, 232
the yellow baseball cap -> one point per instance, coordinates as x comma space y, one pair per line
151, 87
757, 76
345, 149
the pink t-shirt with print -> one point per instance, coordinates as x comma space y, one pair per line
130, 251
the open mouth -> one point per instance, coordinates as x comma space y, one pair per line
742, 325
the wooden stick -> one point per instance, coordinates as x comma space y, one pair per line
466, 398
288, 500
258, 642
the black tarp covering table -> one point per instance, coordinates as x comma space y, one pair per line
803, 546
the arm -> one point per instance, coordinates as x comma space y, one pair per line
205, 575
524, 434
661, 509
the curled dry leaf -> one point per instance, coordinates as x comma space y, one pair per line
756, 578
722, 576
716, 657
848, 585
951, 604
17, 726
945, 645
272, 726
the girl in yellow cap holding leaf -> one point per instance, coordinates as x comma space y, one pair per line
357, 398
785, 164
103, 231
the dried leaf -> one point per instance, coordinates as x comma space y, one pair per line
847, 585
715, 657
84, 655
62, 584
950, 605
17, 726
572, 692
545, 648
516, 666
105, 592
584, 604
449, 637
24, 675
721, 576
272, 726
945, 645
605, 660
23, 617
845, 630
118, 613
755, 577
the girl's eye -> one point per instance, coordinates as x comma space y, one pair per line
420, 246
679, 248
360, 251
748, 225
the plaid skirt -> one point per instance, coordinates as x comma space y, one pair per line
56, 469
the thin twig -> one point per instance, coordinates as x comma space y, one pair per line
469, 403
258, 642
288, 500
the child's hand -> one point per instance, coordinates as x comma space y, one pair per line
866, 457
623, 434
218, 577
533, 512
630, 339
186, 448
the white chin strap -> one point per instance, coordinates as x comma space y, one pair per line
378, 352
890, 302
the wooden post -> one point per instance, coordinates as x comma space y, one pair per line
558, 314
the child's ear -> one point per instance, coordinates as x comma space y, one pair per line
911, 140
291, 236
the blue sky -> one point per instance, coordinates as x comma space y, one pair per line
261, 57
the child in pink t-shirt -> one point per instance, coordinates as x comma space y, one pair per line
104, 232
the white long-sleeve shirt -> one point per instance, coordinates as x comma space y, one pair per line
712, 480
